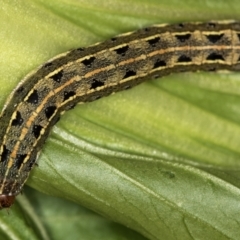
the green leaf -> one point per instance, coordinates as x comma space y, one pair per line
162, 158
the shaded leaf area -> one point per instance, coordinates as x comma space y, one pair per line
80, 222
22, 222
160, 199
162, 158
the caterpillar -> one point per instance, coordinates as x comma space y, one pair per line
87, 74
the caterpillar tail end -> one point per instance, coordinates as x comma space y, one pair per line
6, 201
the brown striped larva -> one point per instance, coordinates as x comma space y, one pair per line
84, 75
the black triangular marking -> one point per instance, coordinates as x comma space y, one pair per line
122, 51
183, 38
238, 36
18, 120
153, 41
159, 63
184, 58
129, 73
58, 76
69, 94
215, 56
37, 131
96, 83
4, 154
33, 98
47, 65
180, 25
49, 111
213, 38
88, 62
19, 160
